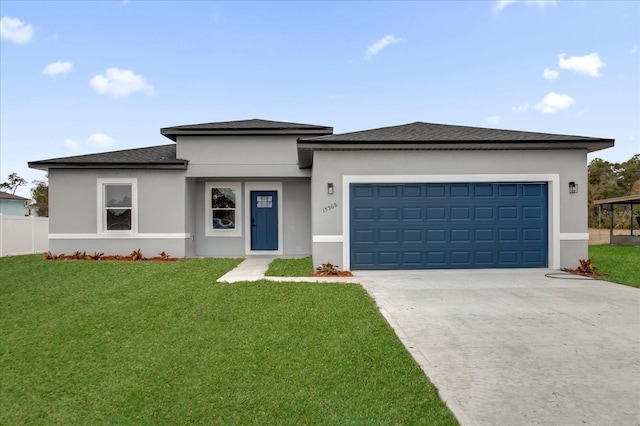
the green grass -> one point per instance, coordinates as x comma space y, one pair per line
622, 263
290, 268
163, 343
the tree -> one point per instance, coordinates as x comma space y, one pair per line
629, 173
40, 195
610, 180
12, 183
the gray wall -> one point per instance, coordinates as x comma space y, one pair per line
331, 166
296, 198
73, 198
241, 156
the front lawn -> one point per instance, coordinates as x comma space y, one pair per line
163, 343
290, 268
622, 263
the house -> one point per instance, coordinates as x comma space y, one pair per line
413, 196
12, 205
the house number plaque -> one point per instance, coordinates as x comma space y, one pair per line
330, 207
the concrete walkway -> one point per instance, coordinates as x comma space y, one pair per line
254, 268
513, 347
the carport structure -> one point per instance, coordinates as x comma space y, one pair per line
633, 239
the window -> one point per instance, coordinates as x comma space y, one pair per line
223, 215
117, 212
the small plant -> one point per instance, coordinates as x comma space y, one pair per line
587, 267
327, 269
48, 256
137, 255
79, 255
97, 256
164, 255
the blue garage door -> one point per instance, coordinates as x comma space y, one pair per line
448, 225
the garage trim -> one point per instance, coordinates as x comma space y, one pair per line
552, 180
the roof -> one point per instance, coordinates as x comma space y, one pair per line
8, 196
429, 136
428, 132
154, 157
629, 199
246, 127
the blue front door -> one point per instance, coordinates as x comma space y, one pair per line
264, 220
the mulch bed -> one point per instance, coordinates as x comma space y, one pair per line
591, 274
332, 274
133, 257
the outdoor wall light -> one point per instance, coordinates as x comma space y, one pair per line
330, 188
573, 188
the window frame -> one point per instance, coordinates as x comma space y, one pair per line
209, 230
102, 184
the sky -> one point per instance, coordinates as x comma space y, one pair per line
81, 77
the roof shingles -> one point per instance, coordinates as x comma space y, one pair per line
9, 196
162, 156
428, 132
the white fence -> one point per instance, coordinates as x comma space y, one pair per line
23, 235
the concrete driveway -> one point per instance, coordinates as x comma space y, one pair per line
513, 347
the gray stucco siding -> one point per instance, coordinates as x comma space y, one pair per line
240, 156
330, 224
121, 246
296, 232
73, 214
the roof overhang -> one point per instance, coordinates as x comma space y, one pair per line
173, 133
307, 147
45, 166
629, 199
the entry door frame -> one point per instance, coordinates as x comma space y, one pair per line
262, 186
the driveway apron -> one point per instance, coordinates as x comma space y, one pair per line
514, 347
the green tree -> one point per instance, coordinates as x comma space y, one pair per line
13, 182
610, 180
40, 195
629, 173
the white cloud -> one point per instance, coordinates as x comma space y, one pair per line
71, 145
56, 68
376, 47
520, 108
120, 83
587, 64
100, 140
494, 119
554, 102
501, 4
13, 29
550, 74
633, 50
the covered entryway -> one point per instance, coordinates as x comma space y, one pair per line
448, 225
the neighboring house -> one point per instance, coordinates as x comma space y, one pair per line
12, 205
413, 196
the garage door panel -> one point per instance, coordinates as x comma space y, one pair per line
483, 213
388, 213
436, 191
508, 190
460, 213
436, 213
470, 225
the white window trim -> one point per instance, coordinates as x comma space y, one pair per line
262, 186
102, 212
209, 231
